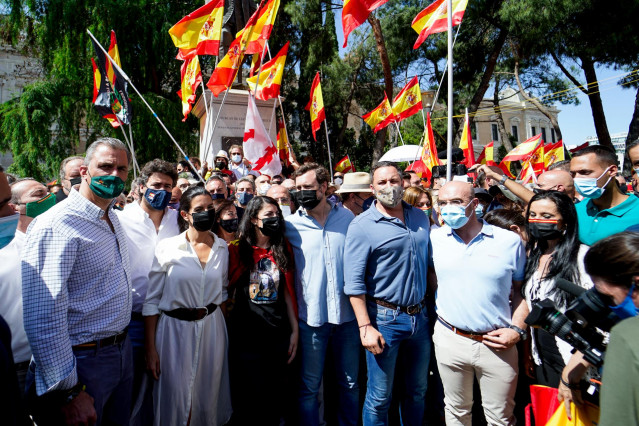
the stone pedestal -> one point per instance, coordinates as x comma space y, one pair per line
230, 126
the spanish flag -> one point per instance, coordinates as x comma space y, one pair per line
316, 105
282, 143
505, 167
344, 165
434, 19
408, 101
191, 78
225, 72
486, 156
381, 116
201, 29
466, 144
429, 153
355, 13
104, 111
535, 161
270, 77
524, 150
115, 54
262, 23
554, 153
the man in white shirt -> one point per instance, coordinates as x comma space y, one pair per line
25, 194
145, 224
236, 165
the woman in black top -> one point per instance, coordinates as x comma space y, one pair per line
262, 325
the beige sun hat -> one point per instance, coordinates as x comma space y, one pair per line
356, 182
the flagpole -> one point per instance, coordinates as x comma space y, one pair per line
399, 133
328, 144
212, 131
128, 144
205, 133
126, 77
270, 125
135, 160
449, 138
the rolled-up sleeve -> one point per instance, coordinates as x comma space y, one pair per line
47, 260
356, 252
157, 277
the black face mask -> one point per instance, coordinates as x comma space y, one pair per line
229, 225
307, 198
220, 165
75, 181
544, 231
203, 221
270, 226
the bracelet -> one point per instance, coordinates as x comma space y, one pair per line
365, 325
571, 386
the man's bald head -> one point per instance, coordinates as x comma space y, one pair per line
457, 190
557, 180
279, 194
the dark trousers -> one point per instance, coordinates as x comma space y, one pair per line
107, 374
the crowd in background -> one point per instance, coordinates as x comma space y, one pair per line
216, 295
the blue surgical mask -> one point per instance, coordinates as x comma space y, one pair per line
455, 216
244, 197
236, 158
588, 187
479, 211
8, 226
218, 196
627, 308
158, 199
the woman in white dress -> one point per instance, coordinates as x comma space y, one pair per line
186, 340
554, 252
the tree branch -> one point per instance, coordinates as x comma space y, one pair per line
568, 74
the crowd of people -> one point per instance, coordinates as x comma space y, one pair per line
213, 296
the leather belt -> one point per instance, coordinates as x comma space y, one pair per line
478, 337
410, 310
192, 314
107, 341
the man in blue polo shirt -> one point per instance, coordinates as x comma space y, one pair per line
605, 210
317, 232
478, 266
387, 253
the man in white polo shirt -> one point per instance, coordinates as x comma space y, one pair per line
478, 266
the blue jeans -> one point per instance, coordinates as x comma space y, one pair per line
408, 344
313, 345
136, 334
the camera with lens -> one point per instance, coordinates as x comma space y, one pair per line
584, 323
457, 168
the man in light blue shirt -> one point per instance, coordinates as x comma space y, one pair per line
317, 232
387, 253
478, 267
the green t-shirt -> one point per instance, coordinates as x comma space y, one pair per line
595, 225
620, 386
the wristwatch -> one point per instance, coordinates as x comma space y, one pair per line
522, 333
502, 181
73, 392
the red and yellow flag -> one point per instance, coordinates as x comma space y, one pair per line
466, 144
270, 77
201, 29
316, 105
355, 13
191, 78
524, 150
344, 165
486, 156
381, 116
534, 164
226, 70
434, 19
429, 153
554, 153
115, 54
408, 101
262, 25
104, 112
505, 167
282, 143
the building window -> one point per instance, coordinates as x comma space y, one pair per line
495, 132
515, 133
552, 135
533, 130
473, 131
543, 134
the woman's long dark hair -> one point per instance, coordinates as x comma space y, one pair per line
247, 236
563, 263
185, 203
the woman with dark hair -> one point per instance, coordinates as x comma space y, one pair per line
186, 339
226, 221
263, 330
419, 197
511, 220
554, 252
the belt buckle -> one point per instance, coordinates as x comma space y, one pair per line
413, 309
202, 313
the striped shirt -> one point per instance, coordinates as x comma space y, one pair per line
76, 286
